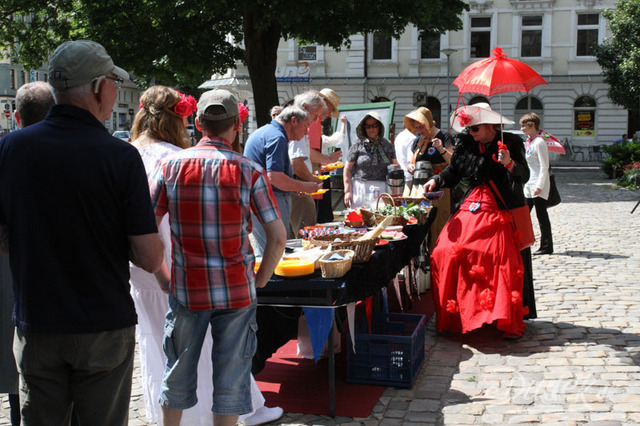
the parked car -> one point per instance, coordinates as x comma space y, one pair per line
122, 134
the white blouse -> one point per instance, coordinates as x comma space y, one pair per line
537, 155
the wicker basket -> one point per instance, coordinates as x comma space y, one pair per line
376, 218
362, 249
336, 268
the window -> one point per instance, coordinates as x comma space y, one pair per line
23, 77
478, 99
480, 37
382, 47
528, 104
307, 52
588, 26
531, 36
429, 45
584, 124
12, 78
45, 77
435, 107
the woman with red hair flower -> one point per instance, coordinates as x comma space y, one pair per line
477, 268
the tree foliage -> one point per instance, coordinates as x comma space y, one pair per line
182, 42
619, 55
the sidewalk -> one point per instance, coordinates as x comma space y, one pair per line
579, 362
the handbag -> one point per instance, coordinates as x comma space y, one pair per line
554, 196
521, 220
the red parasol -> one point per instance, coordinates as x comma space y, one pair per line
553, 143
497, 74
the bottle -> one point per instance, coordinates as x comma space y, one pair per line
371, 197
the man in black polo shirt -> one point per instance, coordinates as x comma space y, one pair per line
74, 209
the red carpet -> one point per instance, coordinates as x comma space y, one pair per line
299, 385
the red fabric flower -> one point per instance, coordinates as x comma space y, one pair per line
516, 298
463, 118
186, 105
243, 111
456, 250
452, 306
477, 271
520, 273
487, 299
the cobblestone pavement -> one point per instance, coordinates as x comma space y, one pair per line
578, 363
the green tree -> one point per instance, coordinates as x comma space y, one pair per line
619, 55
183, 42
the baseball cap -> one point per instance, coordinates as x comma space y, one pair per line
79, 62
219, 97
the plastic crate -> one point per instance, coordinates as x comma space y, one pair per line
391, 354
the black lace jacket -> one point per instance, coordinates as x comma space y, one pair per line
479, 168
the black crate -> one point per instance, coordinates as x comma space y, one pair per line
391, 354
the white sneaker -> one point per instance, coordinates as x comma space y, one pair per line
264, 415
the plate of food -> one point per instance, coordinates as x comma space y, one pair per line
333, 166
393, 235
382, 242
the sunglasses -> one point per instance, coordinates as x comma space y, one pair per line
371, 126
473, 128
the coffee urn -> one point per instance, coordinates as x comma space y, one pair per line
395, 179
421, 175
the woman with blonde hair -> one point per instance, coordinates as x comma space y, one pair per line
159, 129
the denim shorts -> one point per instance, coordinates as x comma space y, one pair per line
234, 343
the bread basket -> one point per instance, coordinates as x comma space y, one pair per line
362, 248
336, 268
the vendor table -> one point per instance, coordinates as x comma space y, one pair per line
363, 280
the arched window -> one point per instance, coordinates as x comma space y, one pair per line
478, 99
435, 107
584, 117
529, 104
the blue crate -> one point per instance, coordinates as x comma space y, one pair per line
391, 354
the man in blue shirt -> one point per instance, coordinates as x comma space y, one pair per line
269, 147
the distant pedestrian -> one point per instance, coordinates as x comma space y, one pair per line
87, 213
536, 190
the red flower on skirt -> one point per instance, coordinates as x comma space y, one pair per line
477, 271
487, 299
452, 306
456, 250
516, 297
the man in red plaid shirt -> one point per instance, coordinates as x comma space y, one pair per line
209, 192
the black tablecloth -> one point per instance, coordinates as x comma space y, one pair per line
363, 280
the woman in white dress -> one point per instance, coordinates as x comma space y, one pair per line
536, 190
159, 129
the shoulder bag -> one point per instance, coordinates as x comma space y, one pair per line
554, 196
521, 219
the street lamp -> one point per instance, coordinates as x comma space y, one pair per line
448, 52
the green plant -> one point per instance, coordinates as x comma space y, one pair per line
631, 177
620, 154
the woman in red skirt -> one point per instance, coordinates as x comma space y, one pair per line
477, 268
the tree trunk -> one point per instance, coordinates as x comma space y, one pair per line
261, 45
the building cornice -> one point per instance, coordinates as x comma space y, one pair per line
543, 5
479, 5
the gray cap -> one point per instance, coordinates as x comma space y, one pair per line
79, 62
220, 97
